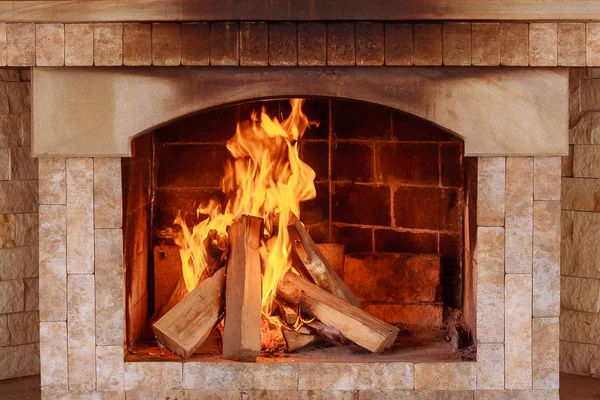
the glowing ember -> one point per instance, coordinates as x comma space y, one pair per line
267, 179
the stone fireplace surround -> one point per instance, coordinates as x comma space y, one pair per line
81, 267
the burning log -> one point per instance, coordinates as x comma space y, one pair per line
187, 325
354, 323
297, 339
308, 259
241, 337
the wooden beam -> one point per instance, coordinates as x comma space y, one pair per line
296, 10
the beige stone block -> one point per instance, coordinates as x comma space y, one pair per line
53, 263
415, 395
580, 294
166, 44
517, 395
12, 296
571, 44
52, 180
107, 193
577, 358
242, 376
446, 376
85, 394
592, 44
53, 355
109, 367
24, 327
25, 136
544, 353
108, 44
543, 42
580, 194
519, 214
195, 44
109, 287
457, 43
486, 44
23, 165
589, 97
587, 129
517, 345
79, 44
20, 44
27, 226
514, 44
546, 178
586, 161
427, 42
2, 44
18, 197
491, 191
8, 233
580, 327
137, 44
80, 215
4, 332
18, 262
10, 125
19, 97
81, 332
546, 259
157, 375
580, 253
50, 44
490, 284
4, 164
364, 376
31, 294
17, 361
195, 395
490, 366
224, 43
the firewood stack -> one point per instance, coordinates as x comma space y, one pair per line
314, 303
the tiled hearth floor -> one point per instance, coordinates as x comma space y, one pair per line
572, 387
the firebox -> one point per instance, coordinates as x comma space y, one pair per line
386, 199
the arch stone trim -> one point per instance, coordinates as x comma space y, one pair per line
497, 111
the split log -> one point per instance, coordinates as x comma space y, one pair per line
308, 259
354, 323
187, 325
241, 337
298, 339
314, 328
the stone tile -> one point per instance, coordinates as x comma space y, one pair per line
109, 367
12, 296
108, 44
370, 48
23, 165
254, 44
341, 44
293, 395
519, 214
427, 42
137, 44
2, 44
10, 125
416, 395
4, 164
345, 376
166, 44
242, 376
53, 355
283, 44
31, 294
587, 130
20, 44
19, 97
27, 227
18, 262
580, 294
490, 285
491, 191
457, 43
4, 332
81, 332
586, 161
490, 366
156, 375
84, 394
192, 395
546, 259
79, 44
8, 233
544, 353
18, 197
543, 38
517, 395
312, 44
109, 290
514, 44
17, 361
446, 376
195, 43
571, 44
80, 215
580, 194
50, 45
592, 44
576, 358
52, 180
580, 327
398, 43
546, 178
25, 131
24, 327
107, 193
224, 39
486, 44
517, 345
53, 263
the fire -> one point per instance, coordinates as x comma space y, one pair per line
267, 179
